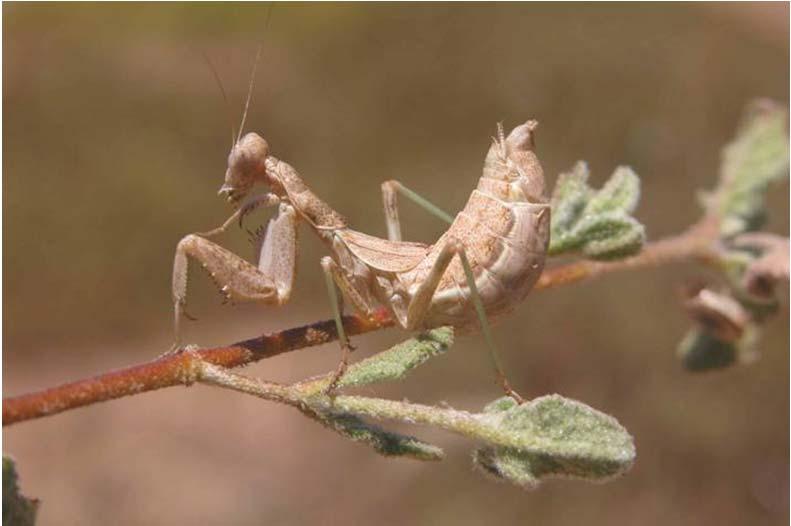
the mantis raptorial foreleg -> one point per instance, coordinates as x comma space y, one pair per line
421, 301
267, 199
270, 282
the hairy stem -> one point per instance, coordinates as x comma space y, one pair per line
460, 422
697, 243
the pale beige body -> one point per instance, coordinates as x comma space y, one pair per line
503, 230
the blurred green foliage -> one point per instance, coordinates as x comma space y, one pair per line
757, 157
18, 510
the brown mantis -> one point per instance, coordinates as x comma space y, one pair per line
500, 238
484, 265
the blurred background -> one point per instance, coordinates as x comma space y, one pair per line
115, 143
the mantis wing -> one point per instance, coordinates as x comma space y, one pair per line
382, 254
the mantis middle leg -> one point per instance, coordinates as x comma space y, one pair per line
390, 190
361, 300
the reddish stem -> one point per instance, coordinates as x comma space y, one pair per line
178, 369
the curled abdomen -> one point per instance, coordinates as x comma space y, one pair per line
506, 257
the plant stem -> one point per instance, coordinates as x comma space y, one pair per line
176, 369
460, 422
697, 243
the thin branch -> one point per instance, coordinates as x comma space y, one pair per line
697, 243
177, 369
454, 420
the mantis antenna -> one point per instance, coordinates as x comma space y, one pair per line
252, 75
249, 93
224, 96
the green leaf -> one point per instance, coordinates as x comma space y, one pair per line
382, 441
620, 193
570, 197
596, 223
396, 362
18, 510
756, 157
392, 364
700, 351
559, 438
610, 235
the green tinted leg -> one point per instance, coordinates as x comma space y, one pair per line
502, 379
346, 348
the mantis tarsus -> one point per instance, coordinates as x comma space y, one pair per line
483, 265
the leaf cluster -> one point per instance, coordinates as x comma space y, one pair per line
597, 223
756, 157
550, 436
752, 263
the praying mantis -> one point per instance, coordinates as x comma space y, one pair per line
482, 266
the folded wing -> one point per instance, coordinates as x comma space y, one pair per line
382, 254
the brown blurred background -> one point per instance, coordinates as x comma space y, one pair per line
114, 146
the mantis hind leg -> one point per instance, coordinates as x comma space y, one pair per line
421, 300
494, 355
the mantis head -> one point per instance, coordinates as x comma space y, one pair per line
246, 167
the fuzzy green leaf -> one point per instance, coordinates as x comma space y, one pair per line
621, 193
610, 235
569, 197
596, 223
18, 510
561, 242
756, 157
394, 363
549, 436
560, 437
382, 441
